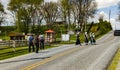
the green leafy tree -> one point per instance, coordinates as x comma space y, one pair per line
50, 12
15, 6
82, 10
64, 8
34, 13
24, 12
103, 25
66, 12
79, 11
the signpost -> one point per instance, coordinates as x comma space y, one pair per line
65, 37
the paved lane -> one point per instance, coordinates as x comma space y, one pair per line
25, 60
94, 57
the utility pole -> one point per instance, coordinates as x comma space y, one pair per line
109, 15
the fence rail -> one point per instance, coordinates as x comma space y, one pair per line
14, 43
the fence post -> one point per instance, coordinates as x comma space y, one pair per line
9, 43
14, 44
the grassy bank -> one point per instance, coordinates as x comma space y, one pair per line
115, 61
9, 52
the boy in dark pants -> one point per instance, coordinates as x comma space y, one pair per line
42, 43
37, 43
31, 38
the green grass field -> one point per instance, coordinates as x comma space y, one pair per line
10, 52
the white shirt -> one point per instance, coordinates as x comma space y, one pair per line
28, 38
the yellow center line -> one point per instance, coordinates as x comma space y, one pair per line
51, 58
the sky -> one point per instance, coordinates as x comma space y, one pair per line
104, 7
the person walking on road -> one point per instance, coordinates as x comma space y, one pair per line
86, 38
93, 39
41, 42
31, 38
36, 41
90, 38
78, 40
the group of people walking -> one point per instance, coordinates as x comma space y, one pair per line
37, 41
88, 39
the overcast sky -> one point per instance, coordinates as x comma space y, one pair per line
104, 6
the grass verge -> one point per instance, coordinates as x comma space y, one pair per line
9, 52
115, 61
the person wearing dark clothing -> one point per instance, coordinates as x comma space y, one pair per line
31, 38
42, 42
86, 38
93, 39
78, 40
37, 43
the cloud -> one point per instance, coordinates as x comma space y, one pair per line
50, 0
54, 0
106, 3
98, 15
115, 24
104, 15
5, 2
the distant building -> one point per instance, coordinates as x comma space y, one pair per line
16, 36
50, 36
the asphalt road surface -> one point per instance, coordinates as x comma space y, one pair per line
68, 57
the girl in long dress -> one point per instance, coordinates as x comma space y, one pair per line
78, 40
86, 38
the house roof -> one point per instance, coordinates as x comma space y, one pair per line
50, 31
15, 34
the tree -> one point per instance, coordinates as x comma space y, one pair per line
82, 10
103, 23
50, 12
2, 13
15, 6
25, 13
66, 12
34, 13
64, 9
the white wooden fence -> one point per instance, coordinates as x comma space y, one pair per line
14, 43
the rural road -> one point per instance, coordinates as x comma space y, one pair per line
68, 57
